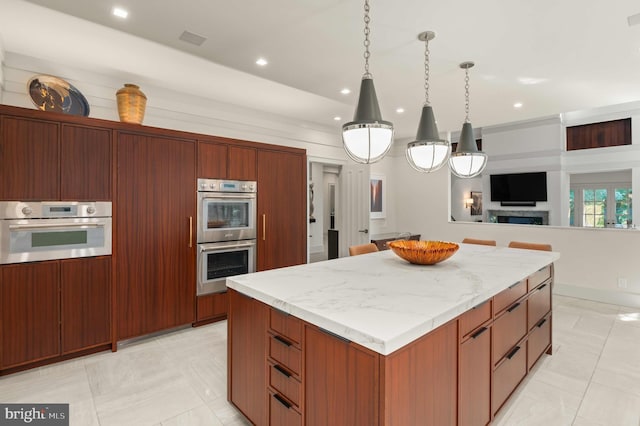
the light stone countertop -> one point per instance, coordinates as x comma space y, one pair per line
382, 302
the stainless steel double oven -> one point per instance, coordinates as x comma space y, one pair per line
226, 234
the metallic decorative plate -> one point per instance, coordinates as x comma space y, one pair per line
50, 93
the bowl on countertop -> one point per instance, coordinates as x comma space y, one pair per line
423, 252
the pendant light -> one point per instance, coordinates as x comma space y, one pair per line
428, 152
467, 161
367, 138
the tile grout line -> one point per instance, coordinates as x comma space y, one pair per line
606, 340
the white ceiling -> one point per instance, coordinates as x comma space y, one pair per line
582, 53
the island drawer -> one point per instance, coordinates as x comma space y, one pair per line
281, 380
281, 412
539, 340
539, 277
475, 317
506, 298
282, 351
508, 329
539, 304
508, 374
286, 325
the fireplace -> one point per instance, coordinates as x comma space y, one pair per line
522, 217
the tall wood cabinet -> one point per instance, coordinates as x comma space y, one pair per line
154, 239
282, 209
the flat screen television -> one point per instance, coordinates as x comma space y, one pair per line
519, 187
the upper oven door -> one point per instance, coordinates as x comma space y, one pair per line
29, 240
226, 217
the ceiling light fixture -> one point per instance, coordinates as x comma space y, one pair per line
517, 105
345, 91
120, 12
367, 138
428, 152
262, 62
337, 118
399, 110
467, 161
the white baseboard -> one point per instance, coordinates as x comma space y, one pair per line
598, 295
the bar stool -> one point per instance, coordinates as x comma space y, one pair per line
530, 246
362, 249
481, 242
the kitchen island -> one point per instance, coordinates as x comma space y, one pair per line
374, 340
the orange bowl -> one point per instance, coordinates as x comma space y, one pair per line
423, 252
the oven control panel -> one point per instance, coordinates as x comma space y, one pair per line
217, 185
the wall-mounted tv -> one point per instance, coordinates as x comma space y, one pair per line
519, 187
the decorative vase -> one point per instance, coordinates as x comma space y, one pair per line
131, 104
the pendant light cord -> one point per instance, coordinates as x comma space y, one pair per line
466, 95
367, 42
426, 72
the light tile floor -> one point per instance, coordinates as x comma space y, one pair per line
179, 379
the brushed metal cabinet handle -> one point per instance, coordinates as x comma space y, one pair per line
190, 231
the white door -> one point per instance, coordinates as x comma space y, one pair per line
353, 225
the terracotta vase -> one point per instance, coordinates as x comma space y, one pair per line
131, 104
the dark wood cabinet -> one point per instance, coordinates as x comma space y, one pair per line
85, 163
246, 360
30, 313
212, 160
474, 405
226, 161
341, 380
282, 209
29, 153
85, 303
211, 307
154, 238
599, 135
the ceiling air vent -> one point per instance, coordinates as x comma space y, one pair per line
192, 38
633, 19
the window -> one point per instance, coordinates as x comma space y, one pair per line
600, 206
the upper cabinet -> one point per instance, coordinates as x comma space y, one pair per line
226, 161
599, 135
29, 153
45, 160
85, 163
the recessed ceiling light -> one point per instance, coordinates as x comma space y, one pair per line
262, 62
531, 80
337, 118
120, 12
399, 110
517, 105
345, 91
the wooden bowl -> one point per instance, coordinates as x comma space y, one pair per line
423, 252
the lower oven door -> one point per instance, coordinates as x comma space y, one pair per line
217, 261
30, 240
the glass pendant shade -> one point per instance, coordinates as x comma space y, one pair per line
467, 161
428, 152
367, 138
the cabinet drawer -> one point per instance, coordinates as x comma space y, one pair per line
474, 317
508, 329
539, 304
506, 298
283, 381
282, 351
539, 277
281, 412
539, 340
507, 376
286, 325
474, 379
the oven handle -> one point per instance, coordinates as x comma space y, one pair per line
215, 195
234, 246
57, 226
